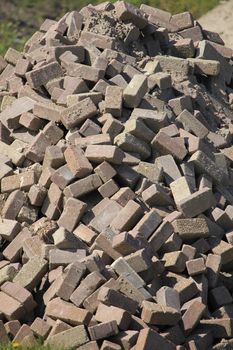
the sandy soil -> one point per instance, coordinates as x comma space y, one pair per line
220, 20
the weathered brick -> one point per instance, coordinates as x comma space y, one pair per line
192, 316
103, 330
75, 206
160, 315
127, 217
87, 287
83, 186
41, 76
100, 153
74, 337
31, 273
67, 312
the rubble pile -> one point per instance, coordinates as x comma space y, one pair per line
116, 170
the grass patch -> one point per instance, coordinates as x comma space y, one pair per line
20, 19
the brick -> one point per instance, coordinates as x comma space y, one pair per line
155, 314
139, 261
12, 328
62, 177
222, 219
89, 128
129, 143
59, 326
169, 167
9, 229
152, 172
78, 113
11, 308
112, 126
220, 328
192, 316
202, 163
124, 243
191, 229
149, 338
83, 186
45, 111
106, 313
87, 287
147, 225
105, 171
135, 91
22, 295
52, 204
103, 330
191, 124
197, 203
162, 80
108, 189
156, 195
13, 250
41, 76
105, 216
108, 345
84, 72
195, 266
22, 181
64, 239
168, 297
113, 100
37, 194
91, 303
153, 119
100, 153
37, 148
11, 115
167, 145
53, 157
174, 261
127, 217
213, 266
40, 328
177, 67
31, 273
71, 277
139, 130
127, 12
13, 205
186, 288
7, 273
114, 298
207, 67
85, 234
184, 48
123, 196
75, 206
160, 235
67, 312
24, 331
74, 337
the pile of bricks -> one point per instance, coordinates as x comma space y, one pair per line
116, 170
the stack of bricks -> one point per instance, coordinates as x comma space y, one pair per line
116, 173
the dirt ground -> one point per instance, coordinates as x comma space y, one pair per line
220, 20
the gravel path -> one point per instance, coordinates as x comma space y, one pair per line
220, 20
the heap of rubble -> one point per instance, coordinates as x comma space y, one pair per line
116, 171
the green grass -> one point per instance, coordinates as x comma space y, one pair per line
20, 19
